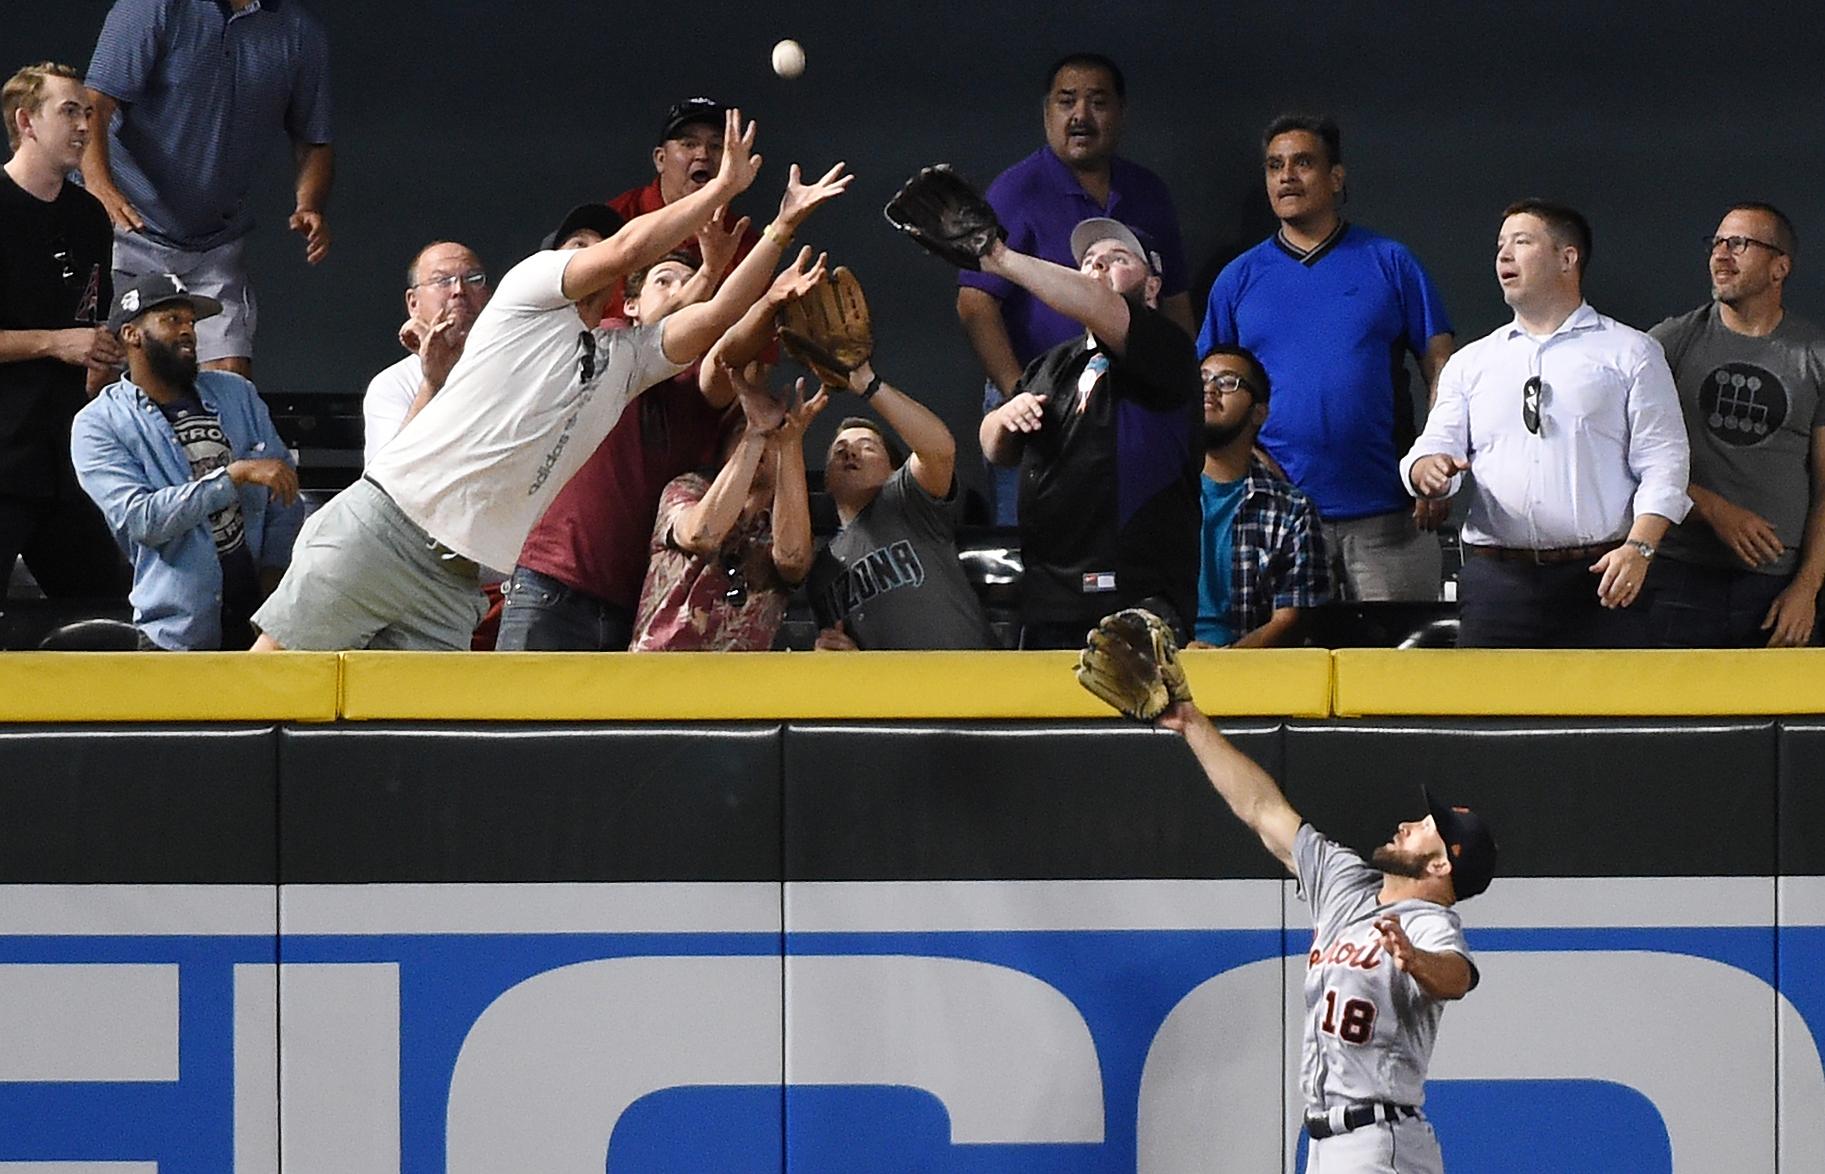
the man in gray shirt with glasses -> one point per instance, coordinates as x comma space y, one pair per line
1744, 571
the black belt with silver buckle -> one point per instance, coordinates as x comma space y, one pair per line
1318, 1125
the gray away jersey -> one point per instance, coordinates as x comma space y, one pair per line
1369, 1029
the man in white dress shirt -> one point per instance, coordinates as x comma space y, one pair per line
446, 288
1570, 423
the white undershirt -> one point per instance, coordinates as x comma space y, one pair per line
389, 397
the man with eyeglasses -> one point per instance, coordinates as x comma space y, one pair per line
1746, 568
55, 293
1570, 423
1262, 561
446, 287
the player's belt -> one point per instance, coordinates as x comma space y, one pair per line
1345, 1118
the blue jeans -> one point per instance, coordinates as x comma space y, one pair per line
1698, 606
543, 614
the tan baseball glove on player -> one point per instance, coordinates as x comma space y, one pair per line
828, 329
1132, 662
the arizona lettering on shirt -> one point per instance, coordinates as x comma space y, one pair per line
883, 569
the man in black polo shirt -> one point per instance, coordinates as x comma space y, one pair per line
55, 291
1104, 428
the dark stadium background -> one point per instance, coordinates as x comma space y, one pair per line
484, 119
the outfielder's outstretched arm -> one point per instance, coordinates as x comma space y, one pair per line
1250, 791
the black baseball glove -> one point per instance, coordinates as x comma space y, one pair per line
946, 216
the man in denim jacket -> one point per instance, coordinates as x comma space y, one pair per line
193, 480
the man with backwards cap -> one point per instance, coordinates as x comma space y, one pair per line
1387, 953
190, 474
393, 561
1104, 428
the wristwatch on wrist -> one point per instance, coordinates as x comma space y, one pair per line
1646, 548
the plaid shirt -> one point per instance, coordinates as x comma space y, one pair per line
1277, 553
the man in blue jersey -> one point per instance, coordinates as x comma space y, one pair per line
1332, 311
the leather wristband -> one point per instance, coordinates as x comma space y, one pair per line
874, 385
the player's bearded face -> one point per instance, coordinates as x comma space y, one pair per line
1400, 861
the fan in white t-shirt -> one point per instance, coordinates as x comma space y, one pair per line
540, 383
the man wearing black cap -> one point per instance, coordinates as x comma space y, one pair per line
394, 561
1387, 953
690, 143
1103, 428
190, 474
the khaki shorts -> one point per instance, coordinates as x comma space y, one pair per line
363, 575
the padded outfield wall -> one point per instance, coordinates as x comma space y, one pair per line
878, 913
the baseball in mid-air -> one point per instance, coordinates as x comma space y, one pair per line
788, 58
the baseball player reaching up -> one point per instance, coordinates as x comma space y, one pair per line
1387, 951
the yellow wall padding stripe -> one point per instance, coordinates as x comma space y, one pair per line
769, 686
167, 687
1656, 683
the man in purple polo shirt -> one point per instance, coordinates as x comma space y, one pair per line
1074, 177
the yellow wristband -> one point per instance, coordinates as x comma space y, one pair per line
772, 233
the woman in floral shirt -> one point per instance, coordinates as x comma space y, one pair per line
727, 553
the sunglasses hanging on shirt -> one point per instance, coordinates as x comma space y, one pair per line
1530, 404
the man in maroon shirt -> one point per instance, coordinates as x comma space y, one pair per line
579, 574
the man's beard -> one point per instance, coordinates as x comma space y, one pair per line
1395, 862
1218, 436
171, 367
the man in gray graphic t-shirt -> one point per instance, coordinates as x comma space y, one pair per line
1745, 567
890, 577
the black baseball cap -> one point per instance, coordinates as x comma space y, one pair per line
152, 291
683, 114
598, 217
1469, 843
